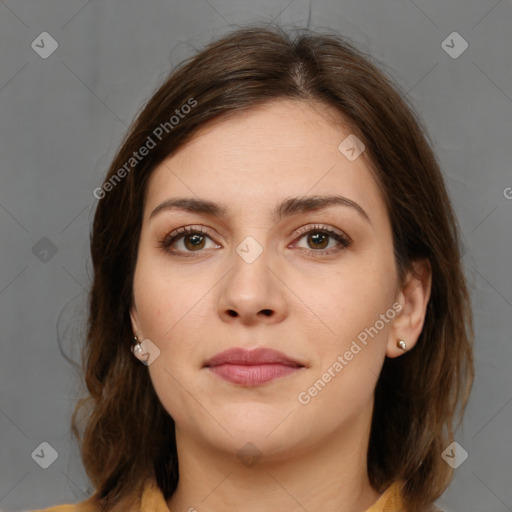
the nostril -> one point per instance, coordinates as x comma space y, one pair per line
267, 312
232, 313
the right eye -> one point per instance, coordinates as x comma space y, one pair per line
192, 239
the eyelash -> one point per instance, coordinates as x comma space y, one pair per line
179, 233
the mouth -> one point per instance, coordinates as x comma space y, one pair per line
252, 368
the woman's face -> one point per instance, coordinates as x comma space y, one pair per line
267, 275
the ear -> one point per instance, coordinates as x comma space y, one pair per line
413, 297
135, 321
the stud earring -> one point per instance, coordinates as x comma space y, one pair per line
401, 344
136, 348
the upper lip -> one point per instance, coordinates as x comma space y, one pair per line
256, 356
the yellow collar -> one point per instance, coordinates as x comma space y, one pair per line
153, 500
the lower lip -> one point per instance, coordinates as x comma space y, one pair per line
252, 375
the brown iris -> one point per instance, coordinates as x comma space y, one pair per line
196, 240
314, 237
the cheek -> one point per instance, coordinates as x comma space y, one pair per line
174, 313
350, 356
164, 300
352, 299
169, 311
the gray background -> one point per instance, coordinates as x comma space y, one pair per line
63, 117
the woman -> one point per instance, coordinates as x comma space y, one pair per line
279, 319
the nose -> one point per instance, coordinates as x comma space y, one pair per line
252, 293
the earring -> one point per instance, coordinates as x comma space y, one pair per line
136, 348
401, 344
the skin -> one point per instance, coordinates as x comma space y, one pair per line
313, 456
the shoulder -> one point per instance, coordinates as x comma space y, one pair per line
84, 506
151, 500
59, 508
392, 500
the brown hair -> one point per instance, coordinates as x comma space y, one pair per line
419, 398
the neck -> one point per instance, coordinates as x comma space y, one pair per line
329, 476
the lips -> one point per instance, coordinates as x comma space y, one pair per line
252, 368
258, 356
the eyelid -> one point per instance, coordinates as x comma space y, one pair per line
320, 227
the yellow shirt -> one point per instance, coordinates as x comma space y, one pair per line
152, 500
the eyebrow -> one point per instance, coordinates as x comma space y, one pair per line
290, 206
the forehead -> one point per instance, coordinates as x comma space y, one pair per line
281, 127
283, 148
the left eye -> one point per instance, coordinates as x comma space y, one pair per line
317, 239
